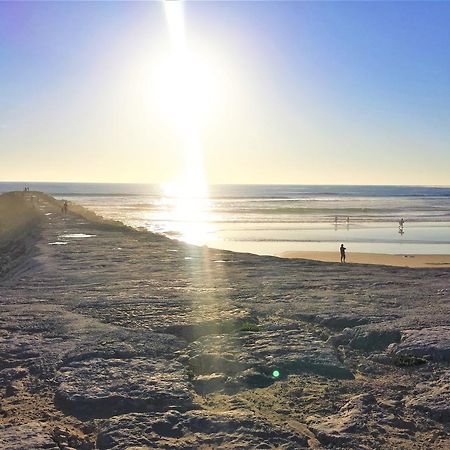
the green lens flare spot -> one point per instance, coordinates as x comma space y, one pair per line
276, 373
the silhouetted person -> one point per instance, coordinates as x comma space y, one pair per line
342, 250
64, 208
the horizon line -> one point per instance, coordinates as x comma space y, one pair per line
230, 184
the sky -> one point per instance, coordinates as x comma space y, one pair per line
286, 92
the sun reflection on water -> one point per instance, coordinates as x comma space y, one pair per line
189, 210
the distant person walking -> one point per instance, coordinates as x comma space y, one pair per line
342, 250
401, 224
65, 206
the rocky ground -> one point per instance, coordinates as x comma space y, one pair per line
112, 338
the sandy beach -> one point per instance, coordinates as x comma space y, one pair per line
412, 261
113, 338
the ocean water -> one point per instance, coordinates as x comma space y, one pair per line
272, 219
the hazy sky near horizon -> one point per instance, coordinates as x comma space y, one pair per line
302, 92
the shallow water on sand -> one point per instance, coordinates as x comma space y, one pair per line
417, 238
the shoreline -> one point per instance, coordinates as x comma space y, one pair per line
381, 259
384, 259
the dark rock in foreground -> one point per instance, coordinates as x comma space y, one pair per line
432, 343
249, 359
103, 388
196, 429
351, 418
30, 436
433, 398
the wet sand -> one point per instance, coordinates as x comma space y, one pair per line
116, 339
413, 261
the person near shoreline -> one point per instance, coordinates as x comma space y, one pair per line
64, 207
342, 250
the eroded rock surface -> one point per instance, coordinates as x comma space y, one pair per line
250, 359
103, 388
432, 343
28, 436
129, 339
197, 429
432, 397
351, 419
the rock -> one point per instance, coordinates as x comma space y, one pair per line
40, 355
432, 343
433, 398
102, 388
351, 418
195, 429
13, 388
234, 322
371, 339
18, 348
337, 321
12, 374
251, 359
122, 343
394, 421
206, 363
254, 379
205, 384
68, 440
30, 435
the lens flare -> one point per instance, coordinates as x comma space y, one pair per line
185, 91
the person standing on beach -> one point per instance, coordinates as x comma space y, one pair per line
342, 250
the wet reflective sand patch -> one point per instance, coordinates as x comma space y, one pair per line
77, 235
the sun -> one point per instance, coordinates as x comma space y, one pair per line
186, 90
186, 79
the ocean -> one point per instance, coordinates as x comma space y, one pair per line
272, 219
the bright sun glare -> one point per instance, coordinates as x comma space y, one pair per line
186, 87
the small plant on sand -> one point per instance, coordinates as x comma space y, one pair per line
409, 361
248, 326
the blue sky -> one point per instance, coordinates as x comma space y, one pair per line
308, 92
